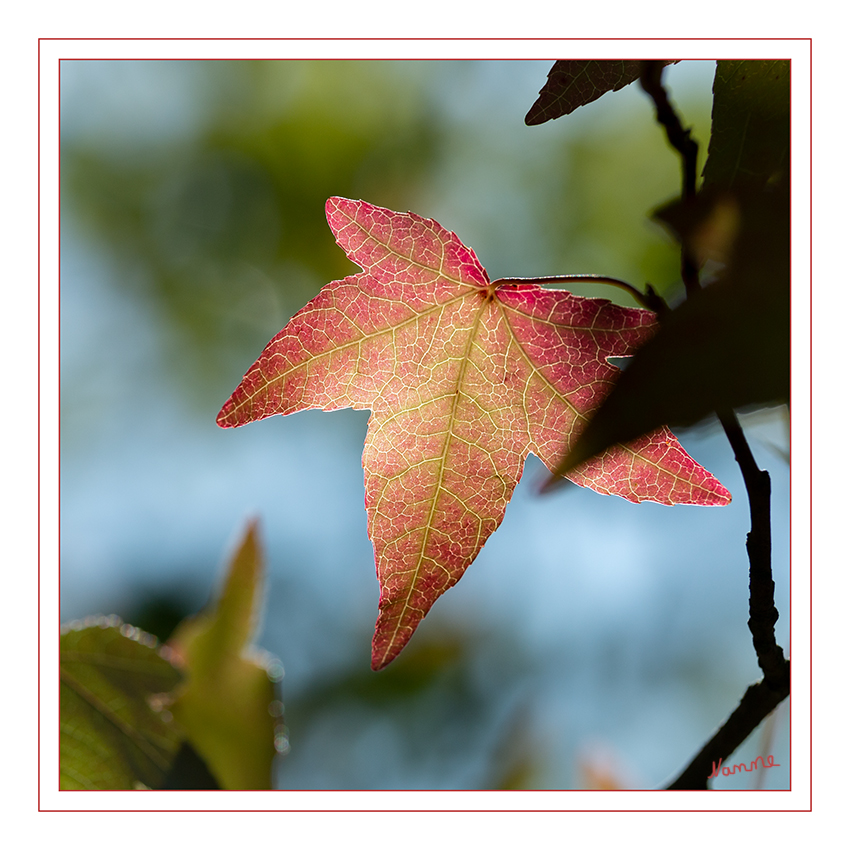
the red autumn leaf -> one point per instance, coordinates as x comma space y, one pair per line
464, 377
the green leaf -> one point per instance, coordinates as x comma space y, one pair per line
573, 83
110, 736
224, 704
750, 123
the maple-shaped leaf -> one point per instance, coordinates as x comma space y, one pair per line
464, 377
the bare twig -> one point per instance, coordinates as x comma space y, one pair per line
680, 138
758, 701
763, 613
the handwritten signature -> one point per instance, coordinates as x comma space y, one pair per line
716, 769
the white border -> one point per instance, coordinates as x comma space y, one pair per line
51, 51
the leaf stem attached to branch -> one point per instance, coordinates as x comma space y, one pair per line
649, 299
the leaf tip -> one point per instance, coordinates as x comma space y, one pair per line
228, 416
389, 639
533, 117
719, 497
384, 652
249, 542
221, 419
336, 203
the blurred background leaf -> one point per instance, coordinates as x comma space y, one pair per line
199, 714
226, 705
110, 736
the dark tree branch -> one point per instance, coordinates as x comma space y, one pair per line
763, 613
680, 139
760, 699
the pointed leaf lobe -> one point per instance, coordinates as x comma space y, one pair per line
464, 378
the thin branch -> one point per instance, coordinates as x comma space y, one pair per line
680, 139
757, 703
763, 613
761, 699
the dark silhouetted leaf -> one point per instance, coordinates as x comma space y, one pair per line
110, 736
750, 124
574, 82
727, 346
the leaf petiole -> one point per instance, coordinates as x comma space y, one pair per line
649, 299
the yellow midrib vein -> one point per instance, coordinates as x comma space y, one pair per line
428, 527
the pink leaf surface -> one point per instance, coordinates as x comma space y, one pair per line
464, 379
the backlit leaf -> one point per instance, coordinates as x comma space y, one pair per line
110, 735
464, 377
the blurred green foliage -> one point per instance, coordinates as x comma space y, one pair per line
110, 737
221, 229
224, 231
225, 704
199, 713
